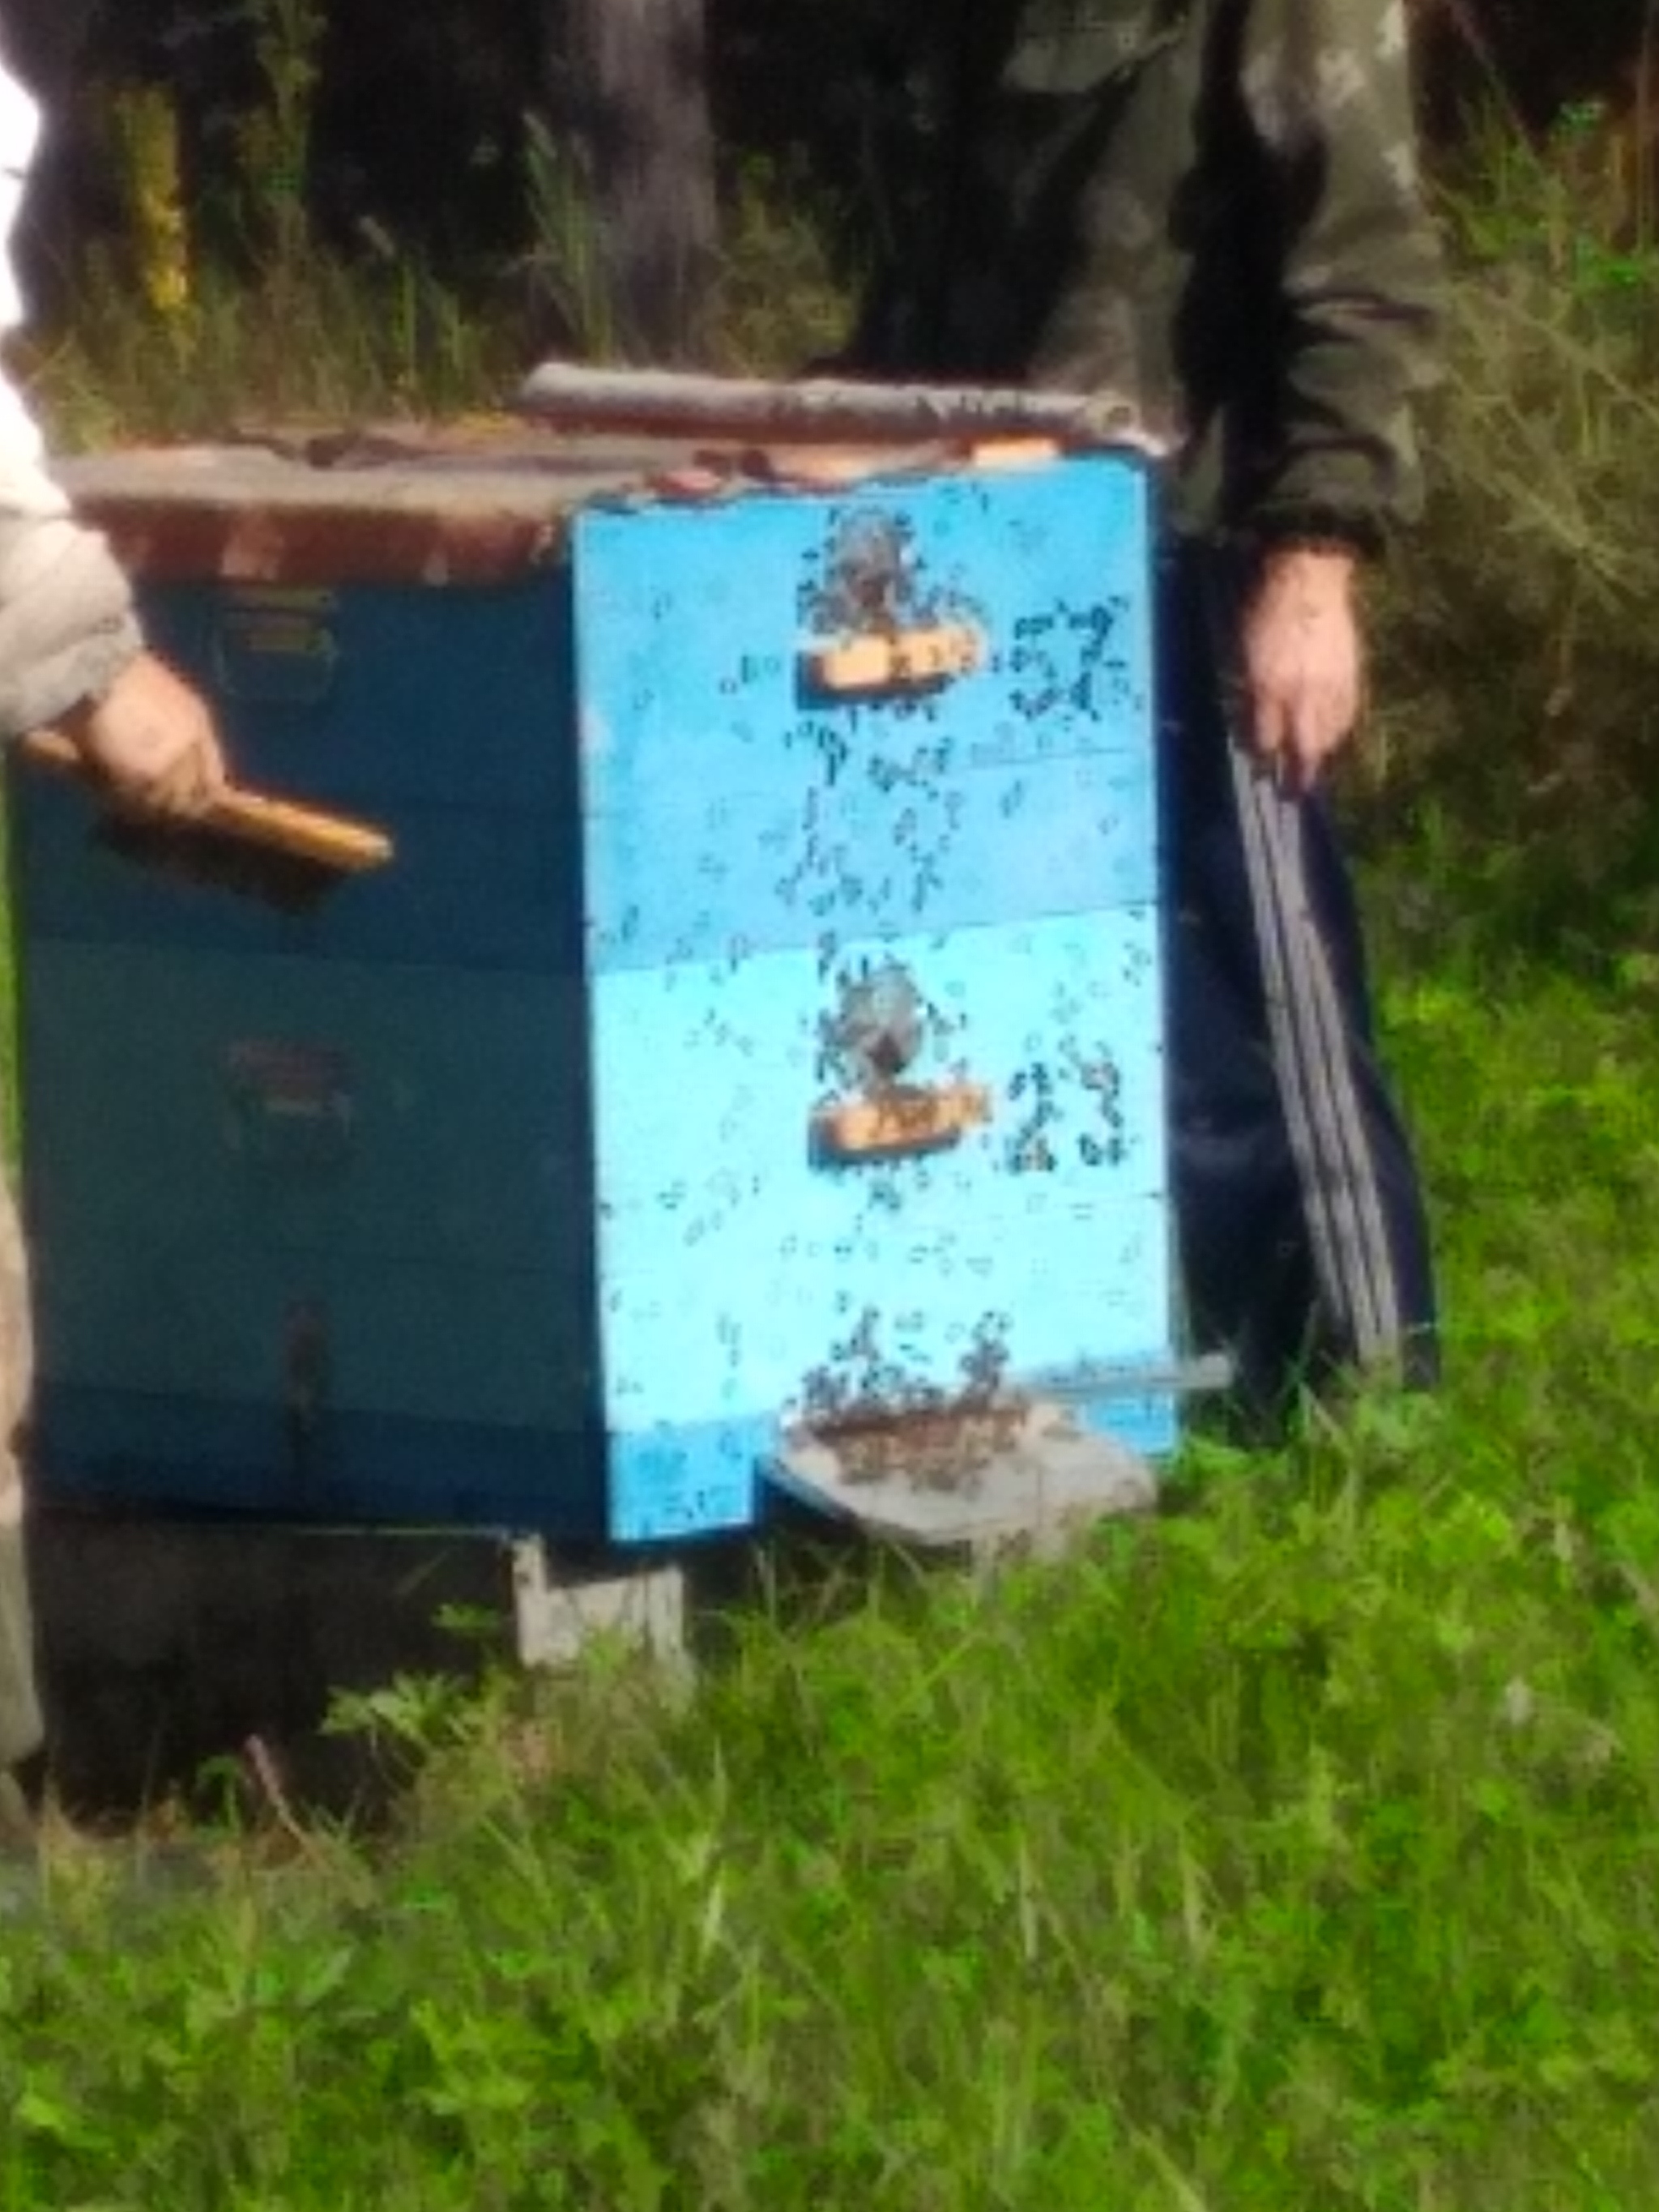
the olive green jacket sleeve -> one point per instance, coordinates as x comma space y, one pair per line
1325, 88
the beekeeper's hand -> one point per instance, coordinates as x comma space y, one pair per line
152, 741
1303, 663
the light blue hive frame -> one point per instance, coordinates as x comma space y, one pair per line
753, 848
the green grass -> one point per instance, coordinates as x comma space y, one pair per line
1297, 1850
340, 345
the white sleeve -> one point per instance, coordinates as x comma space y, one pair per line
22, 452
19, 142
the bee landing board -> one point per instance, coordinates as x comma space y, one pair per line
1033, 1476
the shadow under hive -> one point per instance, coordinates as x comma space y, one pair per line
756, 1048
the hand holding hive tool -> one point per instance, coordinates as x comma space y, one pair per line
264, 847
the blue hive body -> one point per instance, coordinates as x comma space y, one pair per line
492, 1191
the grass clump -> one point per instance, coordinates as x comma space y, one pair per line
349, 343
1519, 666
1297, 1850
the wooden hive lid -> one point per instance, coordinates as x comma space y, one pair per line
482, 501
434, 507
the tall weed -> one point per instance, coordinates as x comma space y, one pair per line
1519, 655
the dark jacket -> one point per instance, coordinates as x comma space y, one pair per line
1209, 206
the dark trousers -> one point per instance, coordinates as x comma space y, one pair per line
1304, 1247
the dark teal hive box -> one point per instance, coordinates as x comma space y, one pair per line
758, 1035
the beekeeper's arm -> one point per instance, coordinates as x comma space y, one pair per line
72, 653
1325, 90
